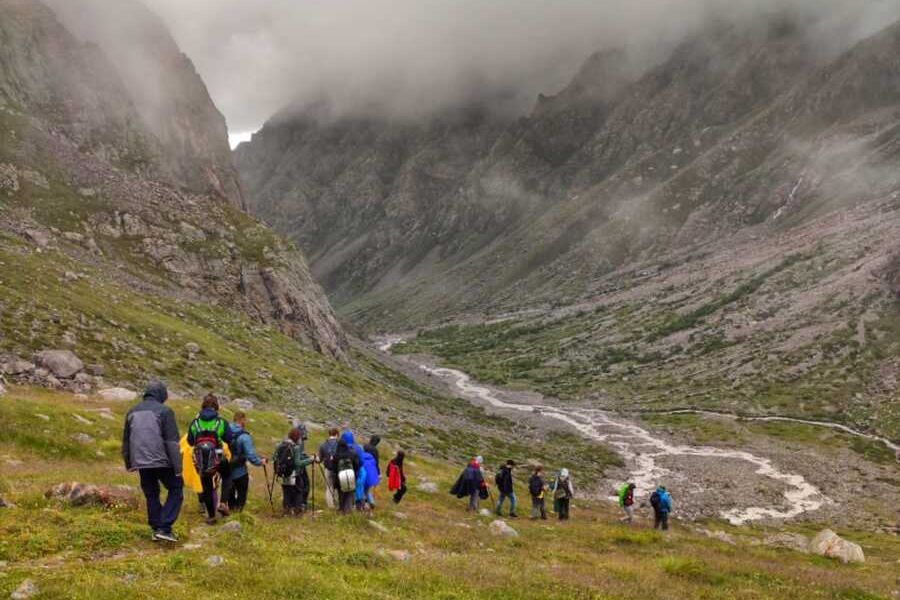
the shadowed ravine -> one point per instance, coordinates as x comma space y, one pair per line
642, 450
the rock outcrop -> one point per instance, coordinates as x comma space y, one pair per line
142, 178
830, 545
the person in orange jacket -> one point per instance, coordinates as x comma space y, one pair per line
396, 476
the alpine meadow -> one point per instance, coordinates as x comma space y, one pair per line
593, 299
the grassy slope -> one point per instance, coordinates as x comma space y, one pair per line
94, 553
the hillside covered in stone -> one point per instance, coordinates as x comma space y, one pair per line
128, 172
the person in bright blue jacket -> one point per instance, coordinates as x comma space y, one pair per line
371, 479
360, 493
234, 490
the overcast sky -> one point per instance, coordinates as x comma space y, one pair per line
404, 57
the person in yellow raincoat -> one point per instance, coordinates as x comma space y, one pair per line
214, 434
190, 475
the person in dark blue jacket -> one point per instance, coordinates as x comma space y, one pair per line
234, 490
150, 447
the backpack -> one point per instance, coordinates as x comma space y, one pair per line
346, 475
535, 486
207, 452
237, 449
655, 500
284, 460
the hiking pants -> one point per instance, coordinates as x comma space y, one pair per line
330, 489
291, 499
161, 517
398, 495
208, 495
234, 492
473, 501
538, 508
661, 520
302, 483
629, 513
512, 503
345, 501
563, 508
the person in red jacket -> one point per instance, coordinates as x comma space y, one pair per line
396, 476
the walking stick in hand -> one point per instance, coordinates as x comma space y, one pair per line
269, 486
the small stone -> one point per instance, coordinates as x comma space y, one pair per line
95, 370
42, 417
378, 526
231, 527
192, 546
192, 348
401, 516
502, 528
244, 404
27, 589
82, 420
485, 512
2, 390
429, 487
83, 438
215, 561
400, 555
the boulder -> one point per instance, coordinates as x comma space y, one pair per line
62, 363
243, 404
791, 541
17, 367
231, 527
117, 394
502, 528
95, 370
80, 494
830, 545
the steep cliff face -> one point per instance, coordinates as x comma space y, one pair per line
88, 173
165, 89
742, 129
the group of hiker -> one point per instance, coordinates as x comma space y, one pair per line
212, 460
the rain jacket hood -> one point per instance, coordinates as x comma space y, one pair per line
156, 390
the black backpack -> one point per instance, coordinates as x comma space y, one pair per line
237, 450
654, 500
284, 460
535, 486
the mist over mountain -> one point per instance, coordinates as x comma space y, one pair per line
412, 58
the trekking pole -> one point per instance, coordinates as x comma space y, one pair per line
328, 490
269, 487
313, 502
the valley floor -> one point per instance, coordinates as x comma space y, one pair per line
427, 547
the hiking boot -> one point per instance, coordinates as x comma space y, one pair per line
211, 520
513, 516
223, 510
165, 536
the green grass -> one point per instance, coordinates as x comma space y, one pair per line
98, 554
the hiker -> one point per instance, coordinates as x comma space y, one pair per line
234, 490
371, 480
536, 488
661, 502
207, 435
289, 461
345, 469
326, 457
372, 448
626, 502
563, 492
504, 481
300, 474
397, 477
150, 447
471, 483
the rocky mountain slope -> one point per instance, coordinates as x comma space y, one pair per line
750, 129
141, 188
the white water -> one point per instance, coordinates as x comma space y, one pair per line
641, 449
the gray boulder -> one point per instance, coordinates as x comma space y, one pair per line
830, 545
62, 363
502, 528
17, 367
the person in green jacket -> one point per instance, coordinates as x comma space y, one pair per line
290, 461
626, 502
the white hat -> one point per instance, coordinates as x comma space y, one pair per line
564, 473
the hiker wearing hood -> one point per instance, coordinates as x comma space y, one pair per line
471, 483
327, 451
150, 447
661, 502
234, 490
372, 448
346, 459
563, 492
396, 476
505, 489
371, 479
207, 435
626, 502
